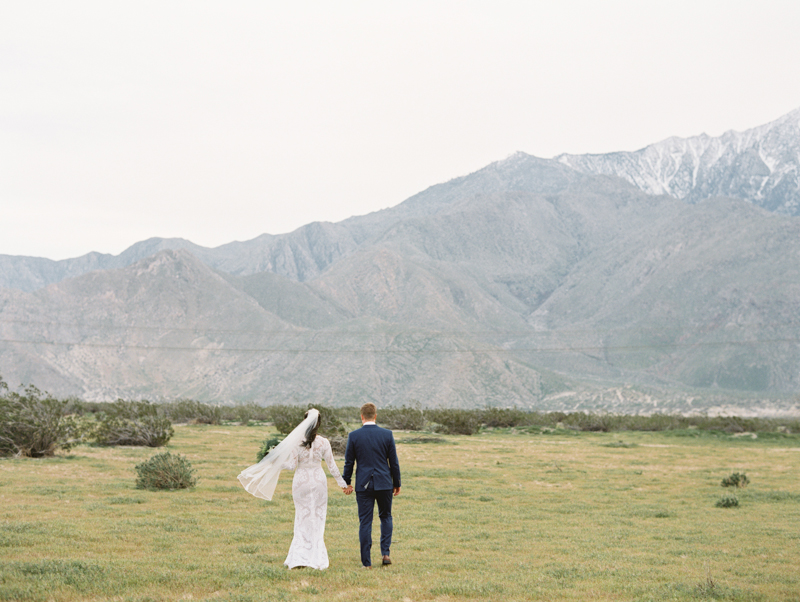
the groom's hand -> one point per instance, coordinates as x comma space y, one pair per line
396, 491
348, 490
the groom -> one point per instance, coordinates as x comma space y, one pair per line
377, 479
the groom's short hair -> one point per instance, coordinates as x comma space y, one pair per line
369, 411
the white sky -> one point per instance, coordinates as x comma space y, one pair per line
219, 121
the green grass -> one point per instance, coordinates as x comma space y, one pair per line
503, 515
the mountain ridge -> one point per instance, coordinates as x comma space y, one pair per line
761, 164
527, 283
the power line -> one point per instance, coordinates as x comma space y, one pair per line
294, 330
476, 350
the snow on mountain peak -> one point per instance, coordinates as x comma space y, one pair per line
761, 165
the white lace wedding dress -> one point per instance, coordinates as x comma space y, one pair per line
310, 493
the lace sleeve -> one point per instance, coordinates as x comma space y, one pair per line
291, 462
327, 453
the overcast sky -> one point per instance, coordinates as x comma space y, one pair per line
219, 121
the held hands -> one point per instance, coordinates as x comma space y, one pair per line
349, 489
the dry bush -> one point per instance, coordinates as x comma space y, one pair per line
737, 479
133, 423
455, 422
403, 419
165, 471
191, 411
32, 424
286, 418
338, 445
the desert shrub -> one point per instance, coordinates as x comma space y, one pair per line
78, 407
75, 407
165, 471
349, 414
82, 427
226, 413
189, 410
338, 445
653, 422
286, 418
728, 424
736, 480
133, 423
331, 425
32, 423
786, 426
727, 501
505, 418
267, 445
593, 422
454, 422
245, 413
404, 418
736, 424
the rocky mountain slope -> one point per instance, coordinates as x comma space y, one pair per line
170, 326
760, 165
305, 253
527, 283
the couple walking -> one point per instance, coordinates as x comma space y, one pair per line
371, 449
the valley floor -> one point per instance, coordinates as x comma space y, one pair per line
499, 515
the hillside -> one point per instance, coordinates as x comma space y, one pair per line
169, 326
760, 165
527, 283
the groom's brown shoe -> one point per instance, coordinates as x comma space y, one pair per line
387, 560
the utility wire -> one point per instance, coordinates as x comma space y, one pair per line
416, 330
476, 350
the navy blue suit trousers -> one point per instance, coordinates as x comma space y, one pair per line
366, 499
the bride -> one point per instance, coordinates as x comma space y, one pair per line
302, 451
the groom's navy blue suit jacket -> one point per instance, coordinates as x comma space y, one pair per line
372, 449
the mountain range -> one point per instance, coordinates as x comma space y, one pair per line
660, 280
760, 165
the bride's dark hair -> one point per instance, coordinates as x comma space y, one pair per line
311, 433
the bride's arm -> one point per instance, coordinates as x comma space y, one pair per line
327, 453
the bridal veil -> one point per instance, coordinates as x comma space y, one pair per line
261, 479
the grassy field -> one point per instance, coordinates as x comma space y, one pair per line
498, 516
